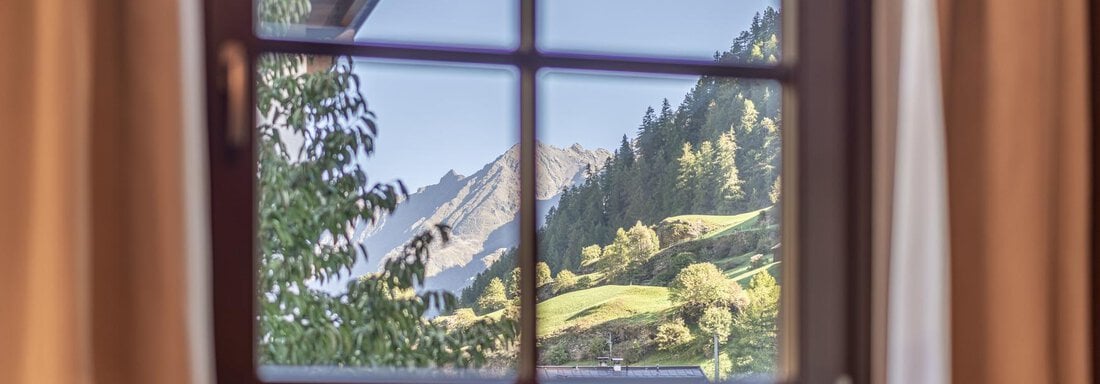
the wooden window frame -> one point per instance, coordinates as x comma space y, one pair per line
826, 77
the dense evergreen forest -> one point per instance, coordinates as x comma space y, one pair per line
717, 152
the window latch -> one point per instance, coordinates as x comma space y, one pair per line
233, 61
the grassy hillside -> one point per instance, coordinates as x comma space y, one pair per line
573, 327
590, 307
720, 225
594, 306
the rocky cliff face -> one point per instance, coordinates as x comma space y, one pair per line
482, 210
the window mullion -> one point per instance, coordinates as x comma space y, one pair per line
528, 258
528, 346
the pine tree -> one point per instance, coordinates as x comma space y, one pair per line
625, 160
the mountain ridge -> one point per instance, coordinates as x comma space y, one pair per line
482, 210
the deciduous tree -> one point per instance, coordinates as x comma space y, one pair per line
493, 298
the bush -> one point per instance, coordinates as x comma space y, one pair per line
511, 310
673, 232
584, 282
716, 321
462, 318
672, 334
565, 281
557, 354
597, 347
590, 254
675, 264
542, 274
700, 286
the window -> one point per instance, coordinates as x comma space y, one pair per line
649, 190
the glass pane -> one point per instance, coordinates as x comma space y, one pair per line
742, 31
360, 161
469, 23
669, 242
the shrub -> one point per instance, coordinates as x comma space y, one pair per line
698, 287
739, 297
584, 282
675, 264
590, 254
557, 354
462, 318
597, 347
716, 321
511, 310
672, 334
542, 274
674, 232
565, 281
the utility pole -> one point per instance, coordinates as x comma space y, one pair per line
716, 357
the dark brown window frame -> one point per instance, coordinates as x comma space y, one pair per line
826, 74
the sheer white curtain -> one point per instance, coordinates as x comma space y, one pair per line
918, 343
101, 184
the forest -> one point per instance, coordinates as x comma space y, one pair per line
717, 153
685, 214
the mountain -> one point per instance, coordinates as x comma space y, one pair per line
482, 210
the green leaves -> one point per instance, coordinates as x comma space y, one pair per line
716, 321
494, 297
755, 328
672, 334
315, 131
701, 286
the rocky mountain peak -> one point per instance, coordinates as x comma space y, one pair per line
482, 209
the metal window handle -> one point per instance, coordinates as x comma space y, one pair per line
233, 62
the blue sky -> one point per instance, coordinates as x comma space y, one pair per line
434, 118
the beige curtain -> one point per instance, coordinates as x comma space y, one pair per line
98, 173
1017, 128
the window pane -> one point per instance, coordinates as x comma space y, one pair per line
470, 23
743, 31
670, 240
343, 280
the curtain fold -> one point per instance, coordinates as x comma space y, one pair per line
917, 332
96, 236
1017, 128
44, 316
